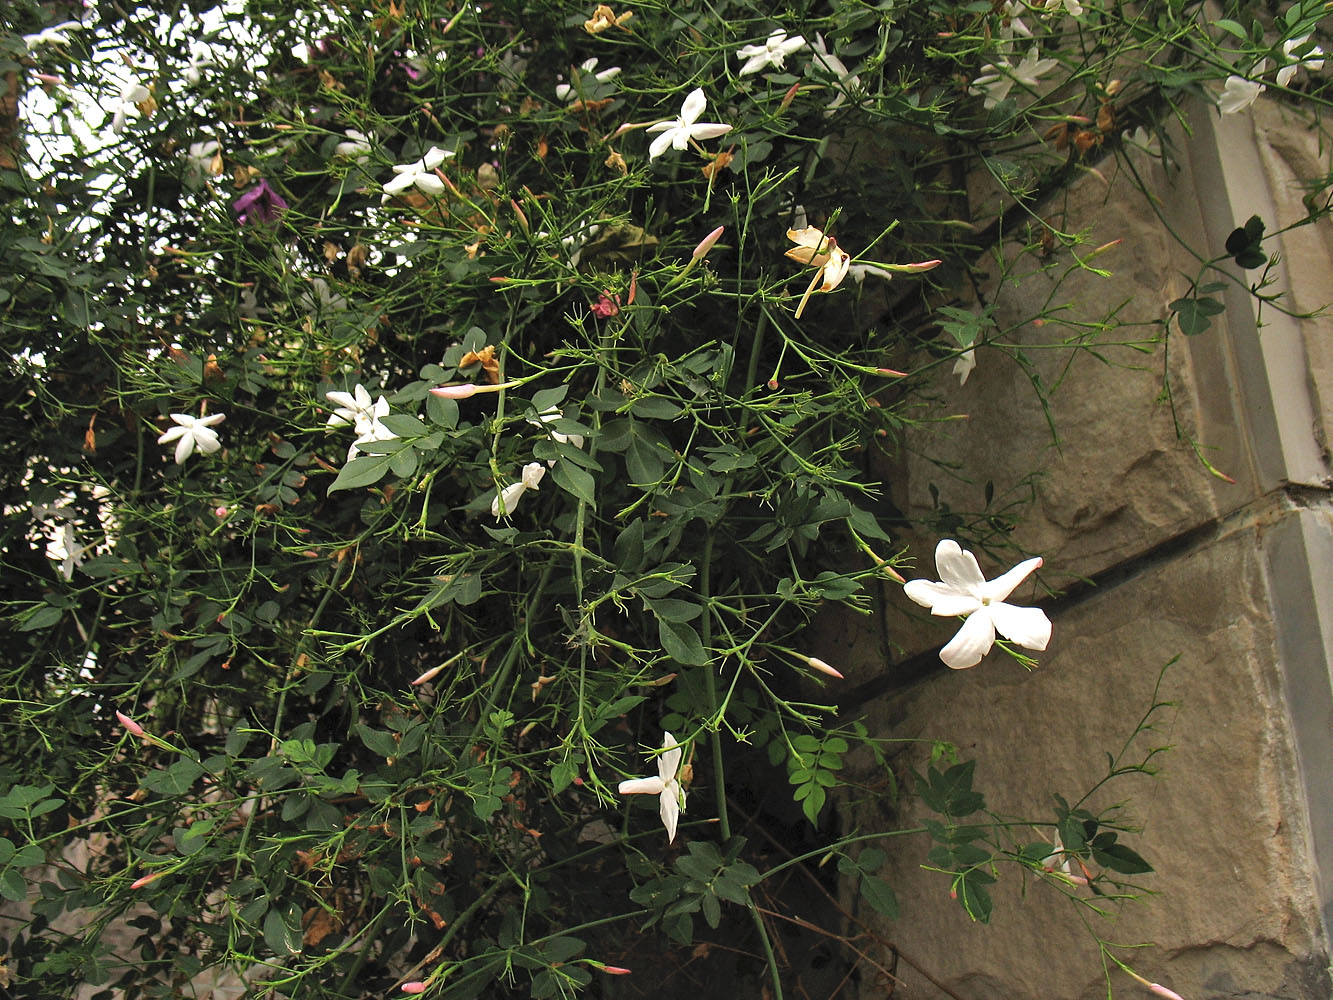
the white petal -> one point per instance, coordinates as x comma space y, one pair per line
430, 184
532, 474
708, 130
927, 593
661, 143
958, 569
183, 448
668, 762
642, 786
972, 642
669, 809
435, 157
172, 434
693, 106
1002, 586
509, 498
206, 440
1029, 627
400, 183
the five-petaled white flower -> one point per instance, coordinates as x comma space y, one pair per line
666, 785
201, 58
962, 590
355, 408
773, 52
191, 433
204, 160
996, 80
827, 62
964, 365
420, 174
1072, 7
131, 95
1309, 61
507, 499
566, 91
1238, 94
677, 134
357, 147
56, 34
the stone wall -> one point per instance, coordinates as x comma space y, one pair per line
1153, 558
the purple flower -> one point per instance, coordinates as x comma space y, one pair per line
261, 204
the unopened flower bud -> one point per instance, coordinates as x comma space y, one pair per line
815, 663
413, 987
707, 242
615, 970
131, 727
1162, 991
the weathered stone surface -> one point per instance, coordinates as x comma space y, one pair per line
1224, 824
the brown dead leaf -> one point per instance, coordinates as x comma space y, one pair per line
486, 358
319, 923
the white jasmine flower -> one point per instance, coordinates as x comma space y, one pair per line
371, 429
773, 52
191, 433
507, 499
550, 414
357, 147
420, 175
996, 80
203, 160
678, 133
1238, 94
1010, 23
666, 785
56, 34
962, 590
1058, 861
132, 94
1308, 61
355, 408
964, 365
566, 91
201, 57
820, 251
320, 298
1072, 7
828, 63
858, 272
73, 551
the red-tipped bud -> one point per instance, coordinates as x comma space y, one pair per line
1162, 991
789, 96
918, 267
464, 391
891, 371
615, 970
428, 675
131, 727
815, 663
706, 243
413, 988
139, 883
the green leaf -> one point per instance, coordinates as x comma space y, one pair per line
570, 478
405, 426
43, 617
12, 886
377, 741
654, 407
1120, 858
671, 610
174, 780
880, 895
712, 910
1192, 313
364, 470
682, 643
1232, 28
282, 930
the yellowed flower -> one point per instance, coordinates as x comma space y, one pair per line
603, 18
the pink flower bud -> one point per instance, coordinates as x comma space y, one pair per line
139, 883
919, 266
428, 675
1162, 991
891, 371
606, 306
413, 987
131, 727
463, 391
707, 242
817, 664
615, 970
